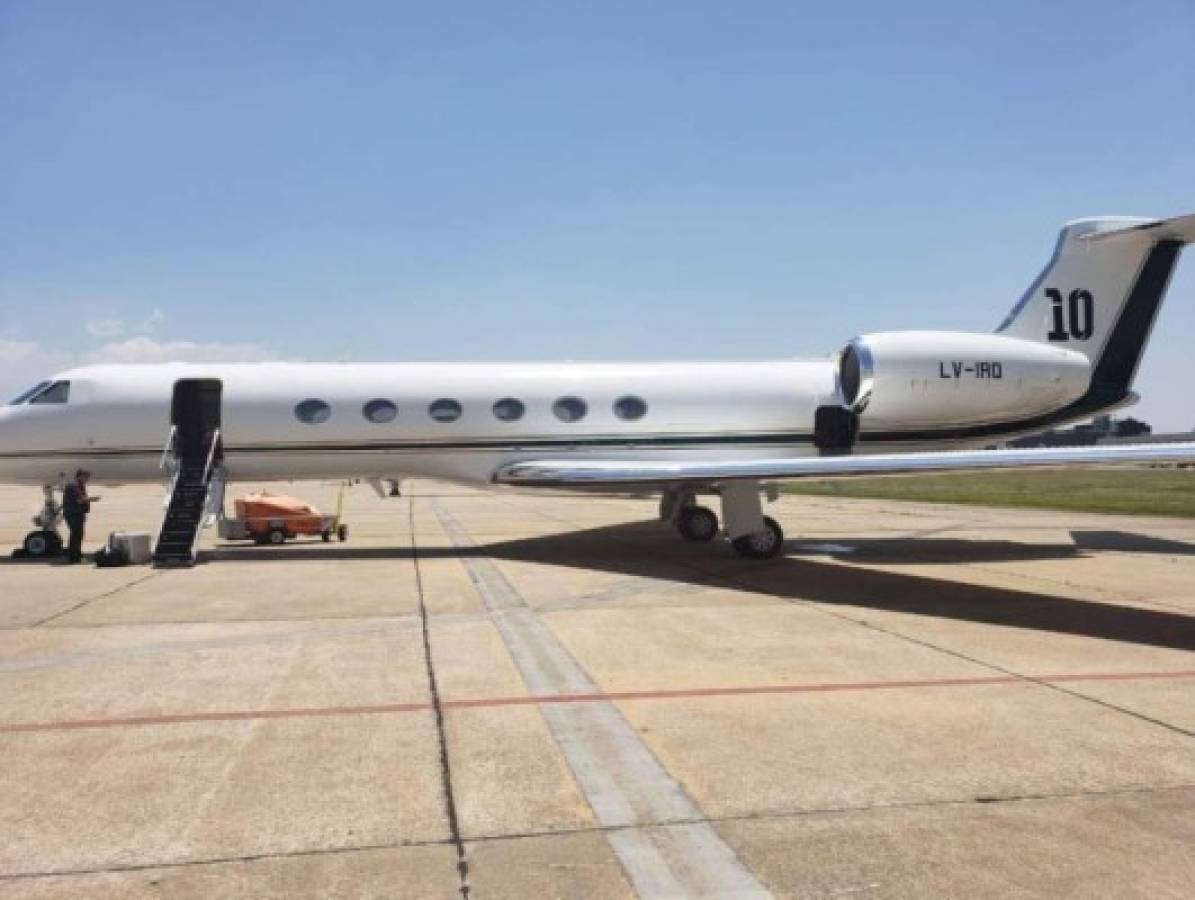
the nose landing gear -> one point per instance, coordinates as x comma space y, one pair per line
45, 541
40, 544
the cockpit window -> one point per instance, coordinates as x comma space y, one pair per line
36, 389
58, 392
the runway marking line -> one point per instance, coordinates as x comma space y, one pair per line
595, 697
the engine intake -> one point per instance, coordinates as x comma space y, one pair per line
856, 375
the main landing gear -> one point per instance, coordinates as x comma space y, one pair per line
752, 534
696, 523
45, 541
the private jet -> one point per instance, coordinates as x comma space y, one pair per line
888, 403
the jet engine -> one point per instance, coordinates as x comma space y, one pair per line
930, 380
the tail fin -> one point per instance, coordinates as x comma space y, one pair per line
1101, 292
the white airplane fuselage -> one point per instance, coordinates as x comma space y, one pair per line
118, 417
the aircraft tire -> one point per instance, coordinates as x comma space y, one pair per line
761, 545
276, 536
40, 544
698, 524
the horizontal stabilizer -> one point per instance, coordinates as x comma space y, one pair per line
599, 473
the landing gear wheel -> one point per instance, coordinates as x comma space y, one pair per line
276, 536
342, 533
696, 523
762, 544
326, 535
40, 544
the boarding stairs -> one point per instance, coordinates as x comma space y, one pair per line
196, 488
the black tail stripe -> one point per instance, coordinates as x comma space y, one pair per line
1122, 352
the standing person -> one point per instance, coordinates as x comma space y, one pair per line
76, 504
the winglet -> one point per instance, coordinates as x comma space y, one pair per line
1180, 228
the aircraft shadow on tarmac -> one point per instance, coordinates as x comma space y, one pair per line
646, 549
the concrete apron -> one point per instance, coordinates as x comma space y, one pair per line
653, 826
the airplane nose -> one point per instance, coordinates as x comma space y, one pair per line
9, 429
14, 449
5, 433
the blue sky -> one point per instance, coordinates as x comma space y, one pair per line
370, 181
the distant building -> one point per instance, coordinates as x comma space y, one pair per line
1131, 427
1101, 430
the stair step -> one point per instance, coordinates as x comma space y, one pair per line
184, 512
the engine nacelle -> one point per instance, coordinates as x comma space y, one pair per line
909, 380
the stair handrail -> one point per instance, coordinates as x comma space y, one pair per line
174, 472
213, 508
207, 471
169, 446
211, 455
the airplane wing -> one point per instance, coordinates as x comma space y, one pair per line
598, 473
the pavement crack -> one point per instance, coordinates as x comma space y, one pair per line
462, 862
217, 860
764, 815
844, 809
84, 602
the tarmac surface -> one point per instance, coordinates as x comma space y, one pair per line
513, 695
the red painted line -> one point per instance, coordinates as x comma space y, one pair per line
598, 697
231, 716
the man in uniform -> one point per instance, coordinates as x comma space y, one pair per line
76, 504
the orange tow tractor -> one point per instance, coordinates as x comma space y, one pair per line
275, 518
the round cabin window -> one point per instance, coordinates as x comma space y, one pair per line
630, 408
313, 412
445, 410
508, 409
569, 409
380, 411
